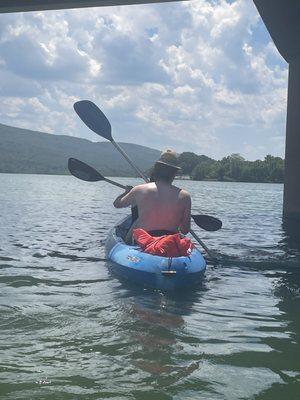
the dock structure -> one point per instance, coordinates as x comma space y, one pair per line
38, 5
281, 18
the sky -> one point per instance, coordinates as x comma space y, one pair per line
201, 76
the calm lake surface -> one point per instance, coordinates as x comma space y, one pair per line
70, 329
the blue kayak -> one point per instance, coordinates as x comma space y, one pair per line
149, 270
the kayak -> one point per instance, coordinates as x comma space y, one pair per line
131, 263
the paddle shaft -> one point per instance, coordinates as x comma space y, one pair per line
196, 237
115, 183
129, 160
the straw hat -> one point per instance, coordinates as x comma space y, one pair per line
169, 158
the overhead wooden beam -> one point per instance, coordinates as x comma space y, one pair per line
8, 6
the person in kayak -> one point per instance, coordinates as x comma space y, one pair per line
162, 207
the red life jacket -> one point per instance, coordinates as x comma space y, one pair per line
164, 246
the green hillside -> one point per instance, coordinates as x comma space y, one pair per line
31, 152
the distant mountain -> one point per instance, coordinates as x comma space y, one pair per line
31, 152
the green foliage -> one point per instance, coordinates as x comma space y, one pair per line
30, 152
188, 161
202, 171
233, 168
25, 151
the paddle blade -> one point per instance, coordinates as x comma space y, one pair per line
93, 118
83, 171
207, 222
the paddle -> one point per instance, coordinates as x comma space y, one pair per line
94, 118
207, 222
87, 173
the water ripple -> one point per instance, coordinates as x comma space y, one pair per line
70, 329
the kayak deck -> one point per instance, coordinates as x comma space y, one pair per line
147, 269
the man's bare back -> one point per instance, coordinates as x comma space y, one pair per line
161, 206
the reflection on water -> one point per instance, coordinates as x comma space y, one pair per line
286, 290
291, 239
70, 329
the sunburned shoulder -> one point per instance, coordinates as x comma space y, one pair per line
184, 194
142, 187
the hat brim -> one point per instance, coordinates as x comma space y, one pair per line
169, 165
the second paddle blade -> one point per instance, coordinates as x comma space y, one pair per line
94, 118
83, 171
207, 222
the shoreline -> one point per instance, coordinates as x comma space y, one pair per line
124, 176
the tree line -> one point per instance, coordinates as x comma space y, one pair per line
233, 168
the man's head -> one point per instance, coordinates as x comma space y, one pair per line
166, 168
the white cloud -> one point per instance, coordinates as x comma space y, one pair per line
195, 75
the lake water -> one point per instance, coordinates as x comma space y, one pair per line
70, 329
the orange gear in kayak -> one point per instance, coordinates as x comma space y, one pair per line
164, 246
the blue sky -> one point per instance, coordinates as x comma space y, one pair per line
200, 76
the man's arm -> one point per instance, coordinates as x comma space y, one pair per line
185, 225
125, 199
